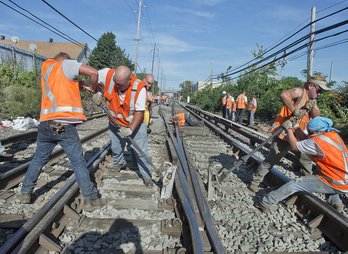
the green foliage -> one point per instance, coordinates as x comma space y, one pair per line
186, 89
20, 91
108, 54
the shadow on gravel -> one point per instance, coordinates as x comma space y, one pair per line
122, 237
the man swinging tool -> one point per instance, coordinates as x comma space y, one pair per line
297, 101
125, 96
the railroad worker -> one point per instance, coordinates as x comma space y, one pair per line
4, 155
229, 106
61, 111
149, 80
297, 101
125, 95
223, 102
241, 101
326, 148
252, 109
185, 119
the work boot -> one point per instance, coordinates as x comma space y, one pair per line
25, 197
254, 187
258, 204
91, 204
118, 168
339, 208
148, 182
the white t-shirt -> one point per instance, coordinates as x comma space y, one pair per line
141, 100
309, 147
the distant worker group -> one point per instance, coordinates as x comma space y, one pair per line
234, 110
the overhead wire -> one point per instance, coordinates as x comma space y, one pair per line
23, 9
60, 13
59, 34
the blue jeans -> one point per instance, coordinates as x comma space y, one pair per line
251, 114
310, 184
69, 140
118, 144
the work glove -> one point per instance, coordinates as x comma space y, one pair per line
287, 125
97, 98
310, 105
300, 113
126, 132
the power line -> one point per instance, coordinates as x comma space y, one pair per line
292, 35
78, 44
45, 22
68, 19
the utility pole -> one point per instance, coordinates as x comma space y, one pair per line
310, 55
158, 77
137, 38
330, 71
153, 57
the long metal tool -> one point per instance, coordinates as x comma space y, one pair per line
246, 157
135, 145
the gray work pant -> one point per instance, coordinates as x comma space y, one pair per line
278, 150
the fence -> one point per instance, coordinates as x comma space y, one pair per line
28, 60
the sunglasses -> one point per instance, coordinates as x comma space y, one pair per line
149, 82
319, 90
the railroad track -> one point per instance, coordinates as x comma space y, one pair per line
202, 216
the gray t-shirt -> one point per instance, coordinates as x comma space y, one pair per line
71, 69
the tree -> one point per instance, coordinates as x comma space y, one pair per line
186, 88
107, 54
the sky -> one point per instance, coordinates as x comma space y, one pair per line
194, 38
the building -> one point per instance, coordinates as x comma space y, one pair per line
33, 53
207, 84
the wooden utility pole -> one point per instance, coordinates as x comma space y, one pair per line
310, 55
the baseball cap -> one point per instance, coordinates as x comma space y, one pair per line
224, 92
320, 81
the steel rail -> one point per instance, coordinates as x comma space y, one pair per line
15, 241
204, 206
318, 214
13, 177
184, 196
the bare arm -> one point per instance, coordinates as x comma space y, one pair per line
138, 118
92, 73
292, 140
315, 111
288, 97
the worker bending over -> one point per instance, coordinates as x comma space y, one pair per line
326, 148
125, 95
299, 102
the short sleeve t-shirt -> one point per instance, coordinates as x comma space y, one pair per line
141, 100
309, 147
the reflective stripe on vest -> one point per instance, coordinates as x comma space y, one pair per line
340, 147
50, 95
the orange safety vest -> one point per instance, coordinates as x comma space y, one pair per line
241, 101
122, 112
181, 121
253, 105
229, 102
285, 114
333, 168
60, 96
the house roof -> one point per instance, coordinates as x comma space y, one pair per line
49, 49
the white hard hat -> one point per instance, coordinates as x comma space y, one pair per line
224, 92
